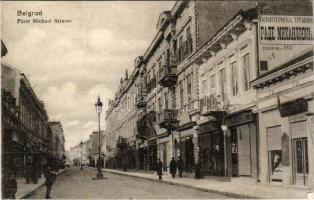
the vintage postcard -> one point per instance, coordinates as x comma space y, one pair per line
157, 99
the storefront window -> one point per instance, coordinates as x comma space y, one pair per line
274, 153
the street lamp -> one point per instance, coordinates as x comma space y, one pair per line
81, 155
224, 128
98, 106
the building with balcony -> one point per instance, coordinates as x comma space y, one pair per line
227, 64
285, 106
166, 79
25, 132
196, 24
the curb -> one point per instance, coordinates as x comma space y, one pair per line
228, 194
27, 195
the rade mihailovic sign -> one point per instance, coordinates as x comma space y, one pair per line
282, 37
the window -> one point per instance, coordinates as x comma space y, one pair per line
189, 87
204, 87
234, 78
246, 71
167, 100
189, 41
159, 103
274, 153
213, 84
180, 48
223, 84
181, 92
167, 57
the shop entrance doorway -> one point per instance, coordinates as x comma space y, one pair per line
234, 152
187, 153
300, 164
212, 153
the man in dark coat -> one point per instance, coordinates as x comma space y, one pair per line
9, 184
28, 169
34, 171
180, 166
173, 167
159, 168
50, 179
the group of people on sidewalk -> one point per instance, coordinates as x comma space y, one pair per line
174, 166
32, 174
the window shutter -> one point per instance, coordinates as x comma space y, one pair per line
274, 138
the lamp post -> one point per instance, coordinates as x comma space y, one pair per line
98, 106
81, 155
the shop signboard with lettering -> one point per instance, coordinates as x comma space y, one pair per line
282, 38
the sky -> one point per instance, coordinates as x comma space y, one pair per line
70, 64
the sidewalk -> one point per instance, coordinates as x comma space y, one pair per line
234, 189
24, 190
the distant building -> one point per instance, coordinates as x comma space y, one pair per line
80, 153
93, 147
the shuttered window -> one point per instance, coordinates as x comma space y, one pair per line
298, 129
274, 138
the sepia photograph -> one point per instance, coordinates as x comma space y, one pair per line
188, 99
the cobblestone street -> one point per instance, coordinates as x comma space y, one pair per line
77, 184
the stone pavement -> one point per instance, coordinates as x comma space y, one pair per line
236, 188
24, 190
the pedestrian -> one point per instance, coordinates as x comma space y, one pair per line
34, 171
9, 184
180, 166
159, 168
28, 169
50, 179
173, 167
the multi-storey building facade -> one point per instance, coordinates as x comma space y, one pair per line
168, 83
207, 92
227, 64
285, 106
32, 138
58, 138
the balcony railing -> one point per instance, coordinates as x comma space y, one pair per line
141, 100
210, 104
144, 127
168, 76
167, 118
151, 85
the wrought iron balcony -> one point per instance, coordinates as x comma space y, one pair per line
210, 105
168, 74
141, 100
145, 129
167, 119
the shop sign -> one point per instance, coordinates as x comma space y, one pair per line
293, 108
207, 127
277, 29
241, 118
280, 37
